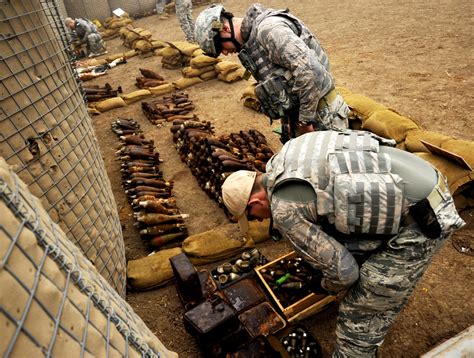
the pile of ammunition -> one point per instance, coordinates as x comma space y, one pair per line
97, 93
300, 344
150, 195
212, 159
168, 108
148, 79
291, 280
230, 272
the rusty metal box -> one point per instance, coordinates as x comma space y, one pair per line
304, 307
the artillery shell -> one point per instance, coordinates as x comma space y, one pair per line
223, 278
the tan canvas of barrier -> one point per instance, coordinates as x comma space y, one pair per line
47, 135
54, 302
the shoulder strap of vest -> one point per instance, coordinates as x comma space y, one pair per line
294, 21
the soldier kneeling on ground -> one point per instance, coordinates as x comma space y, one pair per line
86, 33
370, 217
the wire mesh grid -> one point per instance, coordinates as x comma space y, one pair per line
53, 301
47, 133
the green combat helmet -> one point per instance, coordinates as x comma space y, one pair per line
207, 27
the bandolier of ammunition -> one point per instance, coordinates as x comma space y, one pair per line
158, 218
168, 108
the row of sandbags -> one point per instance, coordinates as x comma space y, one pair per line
211, 246
369, 115
111, 25
366, 114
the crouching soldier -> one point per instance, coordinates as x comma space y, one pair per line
338, 196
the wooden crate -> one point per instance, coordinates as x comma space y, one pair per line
305, 307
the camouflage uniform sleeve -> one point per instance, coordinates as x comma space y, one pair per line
296, 222
83, 29
311, 79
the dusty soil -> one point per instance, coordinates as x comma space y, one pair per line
413, 56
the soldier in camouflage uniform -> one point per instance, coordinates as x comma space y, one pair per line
87, 34
344, 199
184, 10
285, 57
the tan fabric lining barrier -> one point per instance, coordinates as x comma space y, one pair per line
54, 302
48, 136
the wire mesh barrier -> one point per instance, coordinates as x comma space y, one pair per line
91, 9
47, 135
53, 302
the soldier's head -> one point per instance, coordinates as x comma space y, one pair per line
70, 23
246, 198
218, 31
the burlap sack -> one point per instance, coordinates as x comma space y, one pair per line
167, 52
142, 46
130, 54
197, 52
184, 47
113, 57
259, 231
463, 148
162, 89
196, 72
388, 124
226, 66
413, 144
156, 44
54, 302
110, 103
120, 23
186, 82
217, 244
362, 106
208, 75
136, 95
151, 271
203, 61
231, 76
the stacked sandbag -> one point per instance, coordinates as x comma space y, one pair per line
203, 248
229, 71
112, 25
54, 302
176, 54
137, 39
250, 99
453, 157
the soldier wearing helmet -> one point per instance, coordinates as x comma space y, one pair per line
288, 61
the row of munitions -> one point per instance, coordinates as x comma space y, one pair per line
212, 159
150, 195
97, 93
168, 108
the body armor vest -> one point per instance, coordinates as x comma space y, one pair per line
354, 186
260, 66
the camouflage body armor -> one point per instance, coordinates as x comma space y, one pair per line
354, 186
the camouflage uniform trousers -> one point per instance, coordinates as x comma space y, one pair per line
95, 44
334, 115
386, 281
184, 10
160, 7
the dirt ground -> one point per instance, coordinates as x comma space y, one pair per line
412, 56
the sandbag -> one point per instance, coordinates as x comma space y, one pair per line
54, 302
186, 48
158, 44
232, 76
198, 52
208, 75
142, 46
226, 66
113, 57
259, 231
388, 124
130, 54
413, 138
167, 52
362, 106
136, 95
203, 61
217, 244
196, 72
162, 89
186, 82
110, 103
151, 271
463, 148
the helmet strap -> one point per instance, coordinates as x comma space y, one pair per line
232, 38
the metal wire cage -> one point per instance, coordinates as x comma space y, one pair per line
52, 301
47, 136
